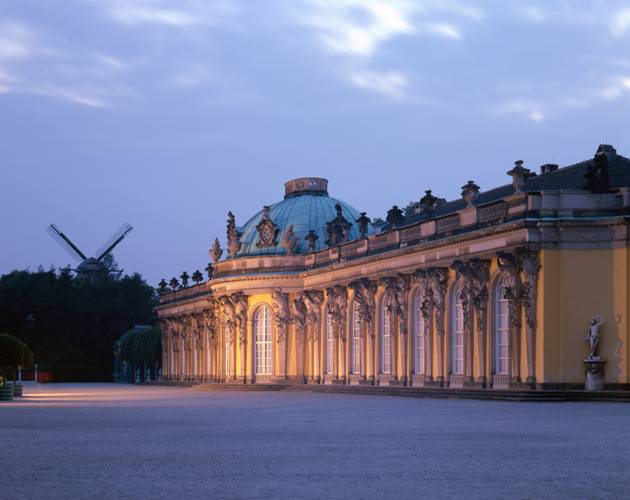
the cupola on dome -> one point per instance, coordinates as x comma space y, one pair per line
306, 220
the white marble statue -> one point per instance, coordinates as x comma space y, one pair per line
593, 336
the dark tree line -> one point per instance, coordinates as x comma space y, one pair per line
71, 324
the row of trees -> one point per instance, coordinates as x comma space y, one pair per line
72, 324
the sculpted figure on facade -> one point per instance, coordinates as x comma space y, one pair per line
313, 300
298, 317
281, 313
365, 298
336, 308
216, 251
530, 265
438, 283
229, 317
233, 236
425, 297
290, 241
395, 297
239, 300
267, 230
210, 321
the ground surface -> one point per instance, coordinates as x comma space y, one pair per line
120, 441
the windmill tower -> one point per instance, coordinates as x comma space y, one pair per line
91, 268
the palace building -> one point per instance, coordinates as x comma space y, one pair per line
495, 290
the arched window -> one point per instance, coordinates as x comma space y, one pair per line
228, 348
330, 345
262, 339
457, 332
418, 336
355, 346
385, 347
501, 330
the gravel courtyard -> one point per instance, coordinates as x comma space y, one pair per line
120, 441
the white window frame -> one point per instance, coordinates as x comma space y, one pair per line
330, 345
457, 333
263, 341
501, 331
355, 357
385, 338
418, 324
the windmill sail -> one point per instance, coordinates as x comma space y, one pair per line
66, 243
116, 238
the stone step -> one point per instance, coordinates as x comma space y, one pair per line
444, 393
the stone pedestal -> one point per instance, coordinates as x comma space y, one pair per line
594, 374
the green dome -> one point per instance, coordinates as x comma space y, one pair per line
306, 207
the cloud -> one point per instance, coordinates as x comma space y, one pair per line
17, 41
444, 30
620, 22
179, 14
391, 84
357, 27
67, 94
529, 109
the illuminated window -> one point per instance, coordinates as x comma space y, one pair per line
228, 349
262, 336
501, 331
355, 355
418, 326
457, 333
386, 358
330, 345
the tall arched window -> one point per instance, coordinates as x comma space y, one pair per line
385, 346
355, 354
262, 339
227, 348
501, 330
457, 332
418, 336
330, 345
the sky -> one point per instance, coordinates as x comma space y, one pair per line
168, 113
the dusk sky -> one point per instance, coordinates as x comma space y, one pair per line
168, 113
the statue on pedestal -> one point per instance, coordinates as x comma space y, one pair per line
593, 364
593, 336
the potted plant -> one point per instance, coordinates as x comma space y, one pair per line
13, 354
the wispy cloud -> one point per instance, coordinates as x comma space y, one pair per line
392, 84
529, 109
357, 27
180, 14
30, 65
620, 22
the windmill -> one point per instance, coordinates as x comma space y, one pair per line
90, 268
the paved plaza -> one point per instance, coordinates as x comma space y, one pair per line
121, 441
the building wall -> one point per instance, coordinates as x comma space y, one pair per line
576, 284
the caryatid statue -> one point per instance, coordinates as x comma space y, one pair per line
593, 336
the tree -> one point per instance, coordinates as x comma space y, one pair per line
14, 354
70, 323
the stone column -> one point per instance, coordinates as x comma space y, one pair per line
510, 265
438, 282
530, 263
313, 300
282, 318
298, 318
338, 311
240, 309
402, 313
480, 270
365, 297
